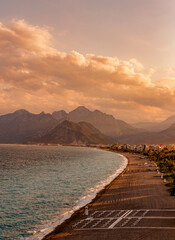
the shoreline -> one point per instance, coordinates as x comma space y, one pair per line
140, 191
98, 195
65, 219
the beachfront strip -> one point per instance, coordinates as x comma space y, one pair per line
144, 147
136, 205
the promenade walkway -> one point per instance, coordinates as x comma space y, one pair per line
135, 206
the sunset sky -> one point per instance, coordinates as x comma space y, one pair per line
112, 55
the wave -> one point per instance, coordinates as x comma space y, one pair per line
87, 198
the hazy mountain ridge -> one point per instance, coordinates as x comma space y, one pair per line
23, 126
166, 136
106, 123
17, 127
156, 126
69, 132
58, 115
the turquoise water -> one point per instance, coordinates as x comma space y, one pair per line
39, 185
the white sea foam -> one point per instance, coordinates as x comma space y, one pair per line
91, 194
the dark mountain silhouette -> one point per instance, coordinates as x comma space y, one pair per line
58, 115
23, 127
19, 126
69, 132
106, 123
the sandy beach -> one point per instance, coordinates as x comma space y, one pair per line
136, 205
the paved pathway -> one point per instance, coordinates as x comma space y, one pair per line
135, 206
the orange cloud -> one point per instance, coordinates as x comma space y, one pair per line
36, 76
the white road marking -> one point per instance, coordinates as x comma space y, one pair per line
106, 223
120, 218
125, 214
94, 213
95, 224
135, 213
154, 217
137, 221
101, 213
120, 212
79, 223
84, 225
164, 228
140, 218
157, 210
110, 213
127, 220
145, 213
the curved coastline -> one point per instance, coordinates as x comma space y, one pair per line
127, 200
79, 208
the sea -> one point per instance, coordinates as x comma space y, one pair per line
41, 186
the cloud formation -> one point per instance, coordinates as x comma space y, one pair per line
36, 76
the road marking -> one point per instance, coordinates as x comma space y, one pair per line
135, 213
152, 217
94, 213
164, 228
84, 225
145, 213
109, 219
137, 221
106, 223
158, 210
110, 213
101, 213
140, 218
79, 223
127, 220
95, 224
120, 218
118, 213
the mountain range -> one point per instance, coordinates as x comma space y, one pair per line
81, 126
69, 132
156, 126
21, 125
166, 136
106, 123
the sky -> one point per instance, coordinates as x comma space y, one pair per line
112, 55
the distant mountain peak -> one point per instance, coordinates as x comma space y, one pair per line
69, 132
61, 111
105, 114
67, 122
21, 112
81, 109
97, 111
22, 125
59, 114
106, 123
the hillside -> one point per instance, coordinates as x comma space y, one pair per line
58, 115
106, 123
21, 125
69, 132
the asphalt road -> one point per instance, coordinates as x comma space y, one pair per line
135, 206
